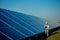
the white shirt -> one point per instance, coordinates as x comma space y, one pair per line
47, 26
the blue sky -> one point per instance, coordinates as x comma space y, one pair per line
48, 9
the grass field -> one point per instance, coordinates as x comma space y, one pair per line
55, 35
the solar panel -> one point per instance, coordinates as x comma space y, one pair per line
16, 25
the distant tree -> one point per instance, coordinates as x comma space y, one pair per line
59, 22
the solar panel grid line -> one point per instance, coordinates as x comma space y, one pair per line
11, 14
22, 37
19, 30
6, 35
29, 23
29, 20
26, 23
19, 24
4, 27
12, 33
14, 28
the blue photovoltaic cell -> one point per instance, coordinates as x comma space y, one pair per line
19, 25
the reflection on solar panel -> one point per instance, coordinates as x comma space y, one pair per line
15, 25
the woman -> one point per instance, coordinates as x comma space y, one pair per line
46, 28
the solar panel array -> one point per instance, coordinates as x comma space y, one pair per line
14, 25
